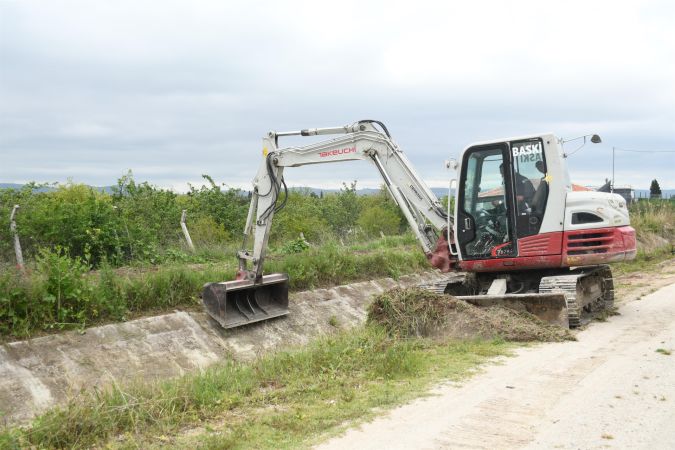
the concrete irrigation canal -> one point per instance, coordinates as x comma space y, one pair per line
40, 373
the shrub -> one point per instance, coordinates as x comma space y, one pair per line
377, 219
67, 294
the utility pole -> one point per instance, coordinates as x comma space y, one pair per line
612, 187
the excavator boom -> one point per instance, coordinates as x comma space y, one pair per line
252, 296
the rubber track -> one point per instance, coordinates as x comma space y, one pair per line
439, 286
607, 287
568, 285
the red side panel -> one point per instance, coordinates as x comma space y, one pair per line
563, 249
506, 264
598, 246
541, 244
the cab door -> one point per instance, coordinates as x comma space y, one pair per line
485, 219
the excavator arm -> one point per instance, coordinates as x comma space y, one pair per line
253, 296
360, 141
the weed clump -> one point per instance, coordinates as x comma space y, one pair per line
411, 312
416, 312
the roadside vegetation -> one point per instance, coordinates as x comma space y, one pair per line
95, 257
654, 223
292, 398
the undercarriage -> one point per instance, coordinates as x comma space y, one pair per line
563, 296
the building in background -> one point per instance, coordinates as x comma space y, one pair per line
627, 192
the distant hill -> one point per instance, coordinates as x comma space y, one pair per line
107, 189
438, 192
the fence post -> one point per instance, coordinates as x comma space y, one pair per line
17, 243
186, 233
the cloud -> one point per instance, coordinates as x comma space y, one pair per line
176, 89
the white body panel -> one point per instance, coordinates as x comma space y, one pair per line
559, 185
611, 208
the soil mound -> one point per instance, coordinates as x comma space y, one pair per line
415, 312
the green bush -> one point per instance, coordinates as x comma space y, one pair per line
74, 217
341, 210
377, 219
67, 299
298, 245
21, 309
204, 230
302, 214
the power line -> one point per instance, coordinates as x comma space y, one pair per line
642, 151
615, 149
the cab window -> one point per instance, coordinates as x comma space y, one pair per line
530, 183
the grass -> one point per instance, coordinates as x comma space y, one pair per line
644, 261
287, 399
414, 312
60, 292
663, 351
283, 400
656, 216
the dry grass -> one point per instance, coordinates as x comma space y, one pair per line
415, 312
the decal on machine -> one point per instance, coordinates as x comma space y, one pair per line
527, 149
338, 151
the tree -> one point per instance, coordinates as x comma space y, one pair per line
655, 190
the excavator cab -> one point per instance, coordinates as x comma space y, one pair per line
502, 197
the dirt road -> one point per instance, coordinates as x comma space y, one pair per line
613, 388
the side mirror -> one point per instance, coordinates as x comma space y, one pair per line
451, 164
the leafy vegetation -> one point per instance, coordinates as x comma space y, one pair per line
61, 292
68, 231
94, 257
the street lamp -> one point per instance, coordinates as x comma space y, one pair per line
595, 139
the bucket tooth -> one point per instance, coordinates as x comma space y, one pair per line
240, 302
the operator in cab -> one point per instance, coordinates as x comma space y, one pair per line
524, 189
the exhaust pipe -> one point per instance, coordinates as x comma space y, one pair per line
240, 302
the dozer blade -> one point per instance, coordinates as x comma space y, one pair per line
236, 303
549, 307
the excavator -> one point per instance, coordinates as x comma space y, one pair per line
519, 235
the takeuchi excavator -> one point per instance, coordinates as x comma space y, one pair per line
519, 236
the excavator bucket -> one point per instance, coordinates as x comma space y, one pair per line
552, 306
240, 302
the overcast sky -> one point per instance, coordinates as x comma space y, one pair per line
175, 89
